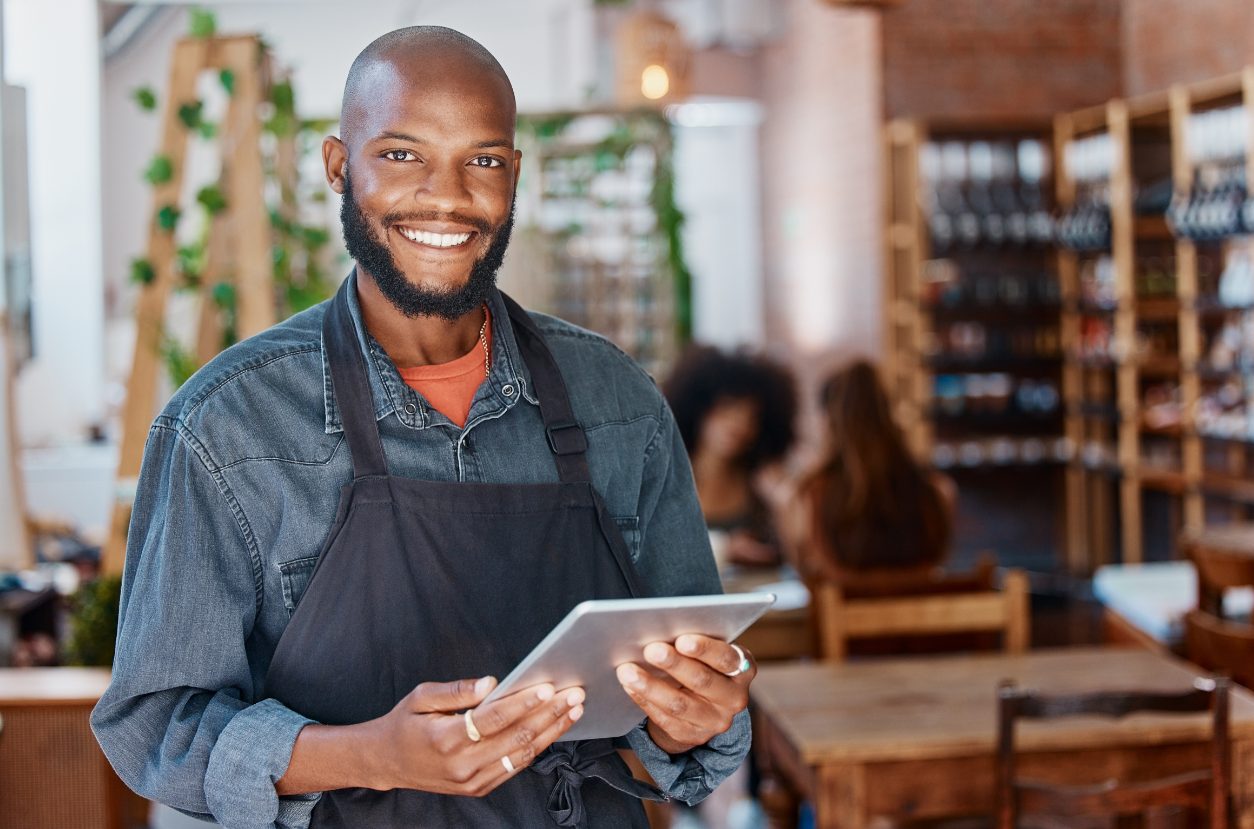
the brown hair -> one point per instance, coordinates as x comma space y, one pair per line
874, 504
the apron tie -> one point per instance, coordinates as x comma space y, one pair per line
575, 762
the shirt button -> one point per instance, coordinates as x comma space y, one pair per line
507, 390
410, 408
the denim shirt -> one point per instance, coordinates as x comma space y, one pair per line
238, 491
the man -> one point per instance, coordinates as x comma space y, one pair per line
346, 526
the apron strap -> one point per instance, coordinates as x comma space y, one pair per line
566, 436
352, 388
574, 762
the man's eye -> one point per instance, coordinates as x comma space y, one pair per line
399, 155
486, 161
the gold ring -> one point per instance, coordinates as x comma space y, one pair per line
471, 731
744, 665
507, 763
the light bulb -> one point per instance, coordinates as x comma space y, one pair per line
654, 82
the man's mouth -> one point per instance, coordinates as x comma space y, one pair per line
435, 240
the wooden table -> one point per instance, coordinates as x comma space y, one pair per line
785, 633
915, 738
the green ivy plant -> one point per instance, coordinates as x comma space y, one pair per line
300, 281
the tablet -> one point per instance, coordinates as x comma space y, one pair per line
597, 636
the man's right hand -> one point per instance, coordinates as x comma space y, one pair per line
423, 744
426, 745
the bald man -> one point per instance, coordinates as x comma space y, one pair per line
348, 526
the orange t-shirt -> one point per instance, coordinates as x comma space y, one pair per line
450, 387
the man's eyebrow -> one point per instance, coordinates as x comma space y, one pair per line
404, 136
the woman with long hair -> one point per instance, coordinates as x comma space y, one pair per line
869, 504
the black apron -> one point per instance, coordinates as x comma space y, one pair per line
436, 581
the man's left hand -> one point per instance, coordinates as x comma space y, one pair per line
696, 699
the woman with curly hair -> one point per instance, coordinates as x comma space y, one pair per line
735, 413
869, 505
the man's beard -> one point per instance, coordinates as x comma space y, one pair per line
372, 255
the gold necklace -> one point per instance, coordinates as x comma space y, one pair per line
483, 341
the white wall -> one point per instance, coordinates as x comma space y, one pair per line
717, 188
52, 50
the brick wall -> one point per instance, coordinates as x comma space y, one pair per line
1180, 41
1002, 58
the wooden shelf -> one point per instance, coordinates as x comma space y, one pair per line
1162, 480
1009, 364
1165, 308
1153, 229
1105, 395
1010, 314
1229, 486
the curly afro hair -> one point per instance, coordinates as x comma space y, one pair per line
704, 376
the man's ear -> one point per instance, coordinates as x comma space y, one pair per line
517, 169
335, 162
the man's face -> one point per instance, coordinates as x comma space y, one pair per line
428, 169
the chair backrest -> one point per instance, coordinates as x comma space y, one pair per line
1220, 645
1221, 564
876, 607
1205, 789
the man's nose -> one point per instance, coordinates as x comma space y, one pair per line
443, 188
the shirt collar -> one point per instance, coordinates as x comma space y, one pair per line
509, 379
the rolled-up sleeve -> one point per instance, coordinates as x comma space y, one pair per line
675, 559
181, 723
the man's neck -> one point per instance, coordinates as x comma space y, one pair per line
415, 341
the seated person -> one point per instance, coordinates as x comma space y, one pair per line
735, 412
868, 505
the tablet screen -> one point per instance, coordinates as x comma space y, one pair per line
597, 636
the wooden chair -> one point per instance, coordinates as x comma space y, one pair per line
1224, 558
1204, 790
897, 606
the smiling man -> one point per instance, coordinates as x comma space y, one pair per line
348, 526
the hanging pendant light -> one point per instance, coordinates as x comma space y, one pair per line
653, 60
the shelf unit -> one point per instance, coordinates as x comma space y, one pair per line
1134, 416
972, 352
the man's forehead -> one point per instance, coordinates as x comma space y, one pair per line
394, 87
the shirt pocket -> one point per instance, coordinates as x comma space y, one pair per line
629, 528
295, 577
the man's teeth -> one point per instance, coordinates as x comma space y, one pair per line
435, 240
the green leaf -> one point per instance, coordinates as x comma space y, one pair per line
224, 296
202, 23
191, 263
283, 97
192, 114
211, 199
315, 237
168, 217
145, 98
207, 129
178, 361
160, 170
227, 78
142, 272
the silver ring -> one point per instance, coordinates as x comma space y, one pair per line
507, 763
744, 665
471, 731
